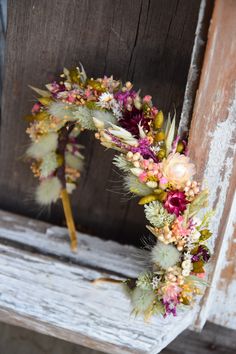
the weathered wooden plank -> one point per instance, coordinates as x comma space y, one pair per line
213, 339
56, 297
3, 20
204, 16
47, 239
149, 42
212, 146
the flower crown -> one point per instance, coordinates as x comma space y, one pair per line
156, 168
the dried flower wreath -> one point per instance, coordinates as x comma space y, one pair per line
156, 168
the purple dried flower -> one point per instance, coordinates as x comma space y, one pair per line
202, 253
131, 119
144, 149
170, 307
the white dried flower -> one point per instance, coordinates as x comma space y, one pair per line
105, 100
155, 282
165, 256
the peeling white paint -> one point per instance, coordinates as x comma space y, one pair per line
217, 174
57, 298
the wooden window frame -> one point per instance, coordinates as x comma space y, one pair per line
212, 148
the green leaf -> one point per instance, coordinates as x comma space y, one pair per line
205, 235
198, 267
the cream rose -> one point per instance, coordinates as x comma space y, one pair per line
177, 169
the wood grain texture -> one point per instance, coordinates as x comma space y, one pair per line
213, 339
3, 20
204, 16
52, 296
148, 42
213, 149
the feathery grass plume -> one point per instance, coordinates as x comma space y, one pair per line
48, 191
145, 281
157, 214
62, 111
207, 219
104, 116
42, 93
200, 202
132, 184
123, 134
121, 162
74, 161
84, 116
48, 164
45, 145
142, 300
165, 256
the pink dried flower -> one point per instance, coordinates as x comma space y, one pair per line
36, 107
176, 202
147, 98
171, 292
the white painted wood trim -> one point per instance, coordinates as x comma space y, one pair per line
54, 294
212, 146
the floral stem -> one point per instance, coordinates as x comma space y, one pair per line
69, 219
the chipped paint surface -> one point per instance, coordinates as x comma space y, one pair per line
212, 145
220, 161
195, 66
55, 295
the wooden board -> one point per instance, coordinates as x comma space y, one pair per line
148, 42
54, 294
213, 149
213, 339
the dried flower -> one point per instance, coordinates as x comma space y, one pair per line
165, 256
176, 202
157, 215
177, 169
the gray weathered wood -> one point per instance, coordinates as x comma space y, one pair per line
204, 17
50, 295
149, 42
3, 25
212, 146
213, 339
